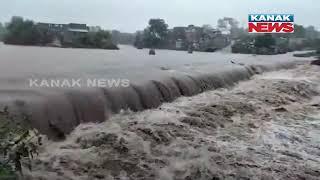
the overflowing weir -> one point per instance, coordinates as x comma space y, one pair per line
57, 112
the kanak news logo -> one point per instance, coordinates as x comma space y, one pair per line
270, 23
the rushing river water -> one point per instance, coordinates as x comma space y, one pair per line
153, 80
17, 63
265, 128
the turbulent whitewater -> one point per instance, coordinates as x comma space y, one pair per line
56, 112
153, 80
264, 128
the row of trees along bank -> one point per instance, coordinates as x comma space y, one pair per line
302, 39
25, 32
200, 38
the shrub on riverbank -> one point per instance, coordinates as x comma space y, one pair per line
244, 45
266, 44
23, 32
17, 143
2, 31
303, 38
101, 39
261, 44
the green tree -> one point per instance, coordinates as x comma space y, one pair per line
21, 31
2, 31
179, 33
266, 41
299, 31
311, 32
155, 33
138, 40
101, 39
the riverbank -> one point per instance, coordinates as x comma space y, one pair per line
265, 128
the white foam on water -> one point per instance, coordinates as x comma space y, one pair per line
225, 133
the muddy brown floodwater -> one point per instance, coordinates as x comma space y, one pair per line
264, 128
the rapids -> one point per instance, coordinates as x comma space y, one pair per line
153, 80
264, 128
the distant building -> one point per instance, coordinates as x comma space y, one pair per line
74, 31
66, 33
193, 34
206, 38
197, 38
58, 28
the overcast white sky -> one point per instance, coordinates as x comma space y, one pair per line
132, 15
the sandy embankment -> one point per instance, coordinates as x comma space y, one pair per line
265, 128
